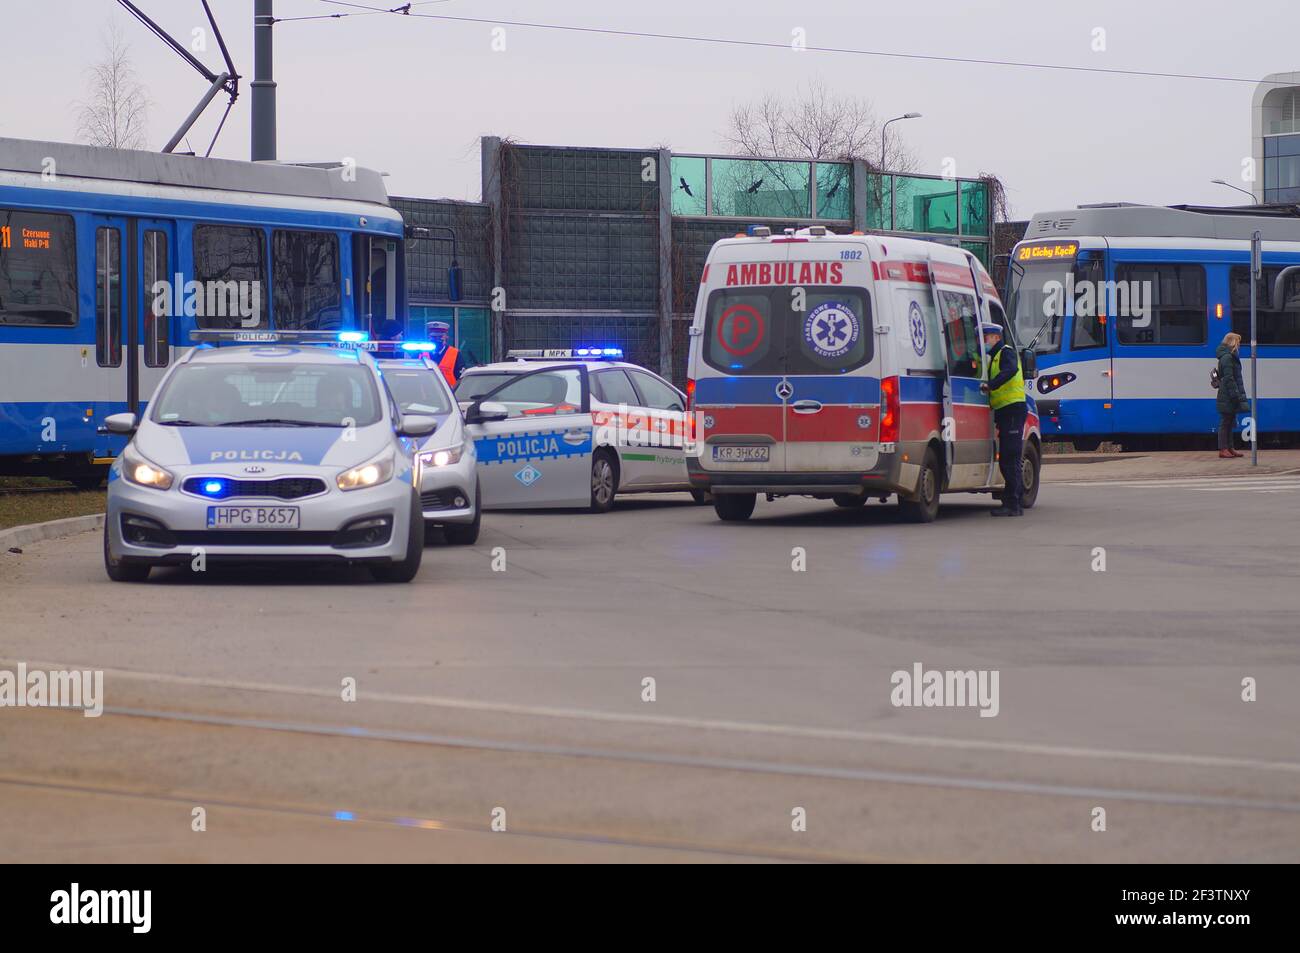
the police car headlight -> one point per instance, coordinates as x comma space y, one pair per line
442, 458
371, 473
136, 469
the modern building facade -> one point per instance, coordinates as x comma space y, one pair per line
1275, 131
576, 245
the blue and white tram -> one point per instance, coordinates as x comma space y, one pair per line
1128, 304
109, 258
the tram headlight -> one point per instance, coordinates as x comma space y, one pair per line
371, 473
136, 469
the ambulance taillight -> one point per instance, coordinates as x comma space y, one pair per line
690, 394
889, 410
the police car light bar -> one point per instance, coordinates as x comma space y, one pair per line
264, 336
564, 353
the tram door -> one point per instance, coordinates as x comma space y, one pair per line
133, 333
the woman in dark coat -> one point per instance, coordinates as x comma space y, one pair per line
1231, 399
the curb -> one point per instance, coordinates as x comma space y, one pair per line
35, 532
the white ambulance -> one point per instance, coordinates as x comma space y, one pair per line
845, 367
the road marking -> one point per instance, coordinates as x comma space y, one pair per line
672, 721
1274, 483
755, 766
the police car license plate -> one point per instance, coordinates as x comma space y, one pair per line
252, 517
742, 454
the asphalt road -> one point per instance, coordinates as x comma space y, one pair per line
520, 693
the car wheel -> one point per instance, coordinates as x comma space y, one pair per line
735, 507
466, 534
404, 570
1031, 465
123, 570
924, 507
850, 501
604, 481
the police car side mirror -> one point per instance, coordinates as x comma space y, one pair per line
119, 423
417, 425
1028, 363
485, 411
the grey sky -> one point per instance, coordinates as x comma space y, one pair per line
411, 96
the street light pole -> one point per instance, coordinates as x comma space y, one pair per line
1231, 186
881, 168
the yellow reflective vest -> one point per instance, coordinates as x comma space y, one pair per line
1013, 389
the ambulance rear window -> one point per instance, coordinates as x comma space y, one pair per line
765, 331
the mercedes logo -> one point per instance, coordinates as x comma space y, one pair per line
784, 390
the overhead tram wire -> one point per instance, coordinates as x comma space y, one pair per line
769, 45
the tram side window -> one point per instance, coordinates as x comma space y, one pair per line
1273, 326
38, 269
108, 297
230, 267
1160, 304
306, 288
961, 324
155, 320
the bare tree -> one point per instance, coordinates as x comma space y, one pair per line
814, 123
117, 110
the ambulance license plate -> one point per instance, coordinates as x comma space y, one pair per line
742, 454
252, 517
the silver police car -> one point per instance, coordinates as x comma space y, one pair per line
276, 451
446, 462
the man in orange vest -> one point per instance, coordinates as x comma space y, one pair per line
450, 360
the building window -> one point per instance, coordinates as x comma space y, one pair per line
974, 208
689, 185
835, 190
925, 205
761, 188
880, 201
306, 268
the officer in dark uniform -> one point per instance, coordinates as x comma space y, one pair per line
1006, 390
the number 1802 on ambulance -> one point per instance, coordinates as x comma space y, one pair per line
845, 367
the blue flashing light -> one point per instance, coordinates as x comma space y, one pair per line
344, 816
419, 346
610, 352
353, 337
214, 487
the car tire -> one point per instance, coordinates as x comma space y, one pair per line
123, 570
404, 570
925, 507
604, 481
1031, 465
849, 501
735, 507
466, 534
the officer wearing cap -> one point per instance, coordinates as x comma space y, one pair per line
1006, 390
450, 359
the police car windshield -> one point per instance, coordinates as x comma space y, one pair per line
417, 390
474, 386
266, 394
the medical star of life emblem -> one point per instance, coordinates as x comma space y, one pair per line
831, 329
528, 475
916, 320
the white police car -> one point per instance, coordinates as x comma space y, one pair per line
573, 427
446, 471
275, 451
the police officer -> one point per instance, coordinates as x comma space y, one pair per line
1006, 390
450, 359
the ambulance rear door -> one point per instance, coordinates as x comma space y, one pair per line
832, 364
